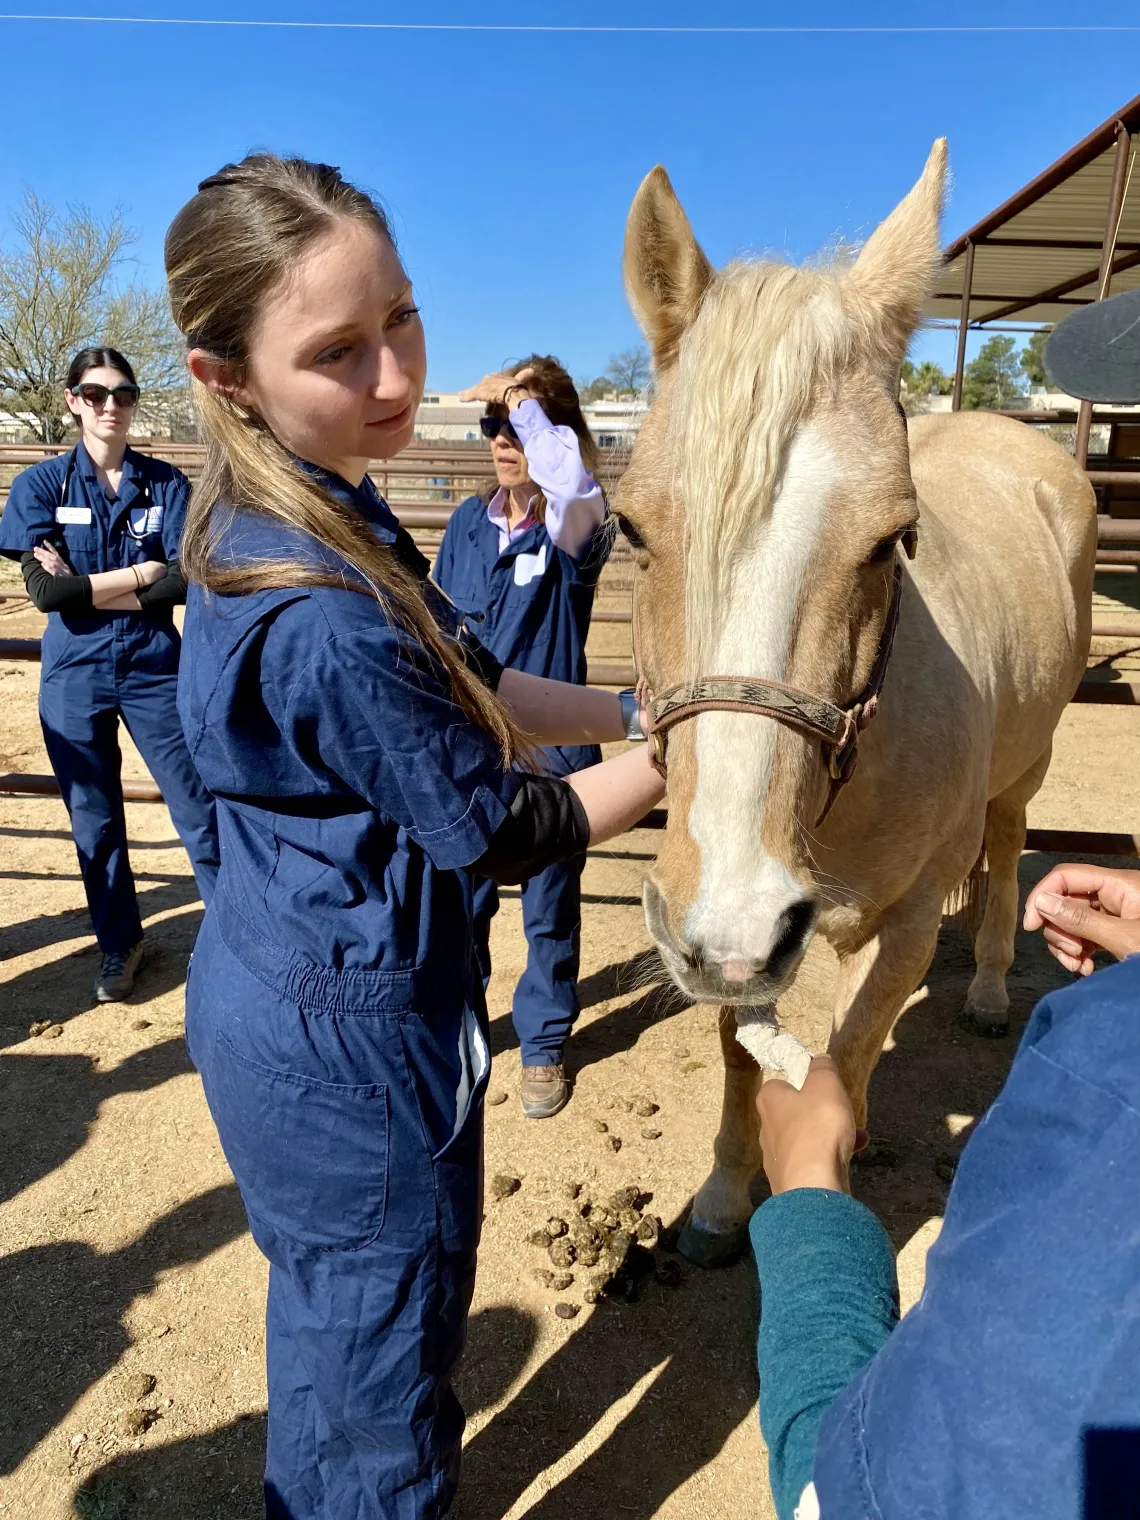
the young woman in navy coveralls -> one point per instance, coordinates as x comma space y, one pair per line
96, 531
364, 766
522, 565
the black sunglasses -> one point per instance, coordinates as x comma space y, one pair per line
491, 427
96, 395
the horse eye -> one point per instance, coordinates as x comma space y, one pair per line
884, 549
635, 539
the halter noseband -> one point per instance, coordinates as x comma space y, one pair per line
836, 728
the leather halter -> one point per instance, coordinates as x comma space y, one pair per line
836, 728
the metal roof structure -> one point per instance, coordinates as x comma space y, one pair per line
1039, 255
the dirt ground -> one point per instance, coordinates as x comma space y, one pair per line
128, 1280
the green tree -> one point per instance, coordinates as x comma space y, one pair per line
58, 293
1033, 358
917, 382
994, 378
592, 390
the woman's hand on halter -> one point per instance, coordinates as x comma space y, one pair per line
808, 1136
493, 389
1081, 909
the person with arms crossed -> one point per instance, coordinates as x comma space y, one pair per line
96, 531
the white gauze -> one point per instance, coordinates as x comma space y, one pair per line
771, 1047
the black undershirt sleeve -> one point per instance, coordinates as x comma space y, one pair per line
546, 823
55, 593
170, 591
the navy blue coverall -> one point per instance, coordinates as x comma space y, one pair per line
530, 605
336, 1014
100, 666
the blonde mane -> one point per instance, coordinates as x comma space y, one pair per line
767, 339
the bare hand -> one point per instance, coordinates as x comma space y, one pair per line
493, 389
150, 571
807, 1136
1081, 909
51, 559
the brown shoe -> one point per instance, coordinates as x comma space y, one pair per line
545, 1091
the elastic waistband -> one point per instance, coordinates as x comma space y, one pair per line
323, 988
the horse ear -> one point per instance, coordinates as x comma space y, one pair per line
666, 272
892, 276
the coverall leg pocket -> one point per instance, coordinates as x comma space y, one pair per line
310, 1156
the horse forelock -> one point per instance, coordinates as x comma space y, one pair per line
768, 339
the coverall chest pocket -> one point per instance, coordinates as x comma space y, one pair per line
81, 544
311, 1157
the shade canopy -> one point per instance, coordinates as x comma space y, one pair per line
1037, 257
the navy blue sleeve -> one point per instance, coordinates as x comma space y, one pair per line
829, 1300
29, 514
376, 707
1027, 1335
175, 493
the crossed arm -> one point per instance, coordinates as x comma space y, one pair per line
110, 590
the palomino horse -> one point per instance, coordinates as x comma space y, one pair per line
768, 500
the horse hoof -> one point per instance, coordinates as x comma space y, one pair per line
990, 1023
712, 1248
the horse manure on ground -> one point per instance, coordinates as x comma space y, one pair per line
569, 1190
41, 1026
560, 1281
651, 1134
502, 1186
600, 1126
540, 1238
543, 1276
566, 1311
138, 1385
644, 1108
136, 1422
667, 1271
614, 1143
556, 1227
562, 1253
497, 1097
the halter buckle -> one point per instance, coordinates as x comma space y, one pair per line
842, 760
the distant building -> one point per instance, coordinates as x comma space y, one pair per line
443, 418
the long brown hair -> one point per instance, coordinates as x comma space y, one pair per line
235, 241
555, 392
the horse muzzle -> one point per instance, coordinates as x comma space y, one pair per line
724, 972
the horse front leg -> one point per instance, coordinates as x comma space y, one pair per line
987, 1001
716, 1232
875, 981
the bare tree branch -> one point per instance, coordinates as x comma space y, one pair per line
59, 292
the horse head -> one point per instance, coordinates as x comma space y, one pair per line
765, 502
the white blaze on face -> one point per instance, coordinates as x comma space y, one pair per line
743, 890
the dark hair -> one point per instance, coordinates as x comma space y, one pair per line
234, 242
95, 358
555, 392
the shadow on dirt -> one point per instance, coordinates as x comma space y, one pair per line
219, 1473
62, 988
650, 1383
51, 1102
64, 1305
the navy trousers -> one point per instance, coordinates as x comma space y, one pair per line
336, 1102
546, 999
81, 731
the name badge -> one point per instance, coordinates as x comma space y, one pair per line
73, 515
528, 567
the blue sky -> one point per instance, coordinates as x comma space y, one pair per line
509, 159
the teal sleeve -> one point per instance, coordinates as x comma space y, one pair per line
829, 1300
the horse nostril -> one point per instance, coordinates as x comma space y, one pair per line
795, 926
